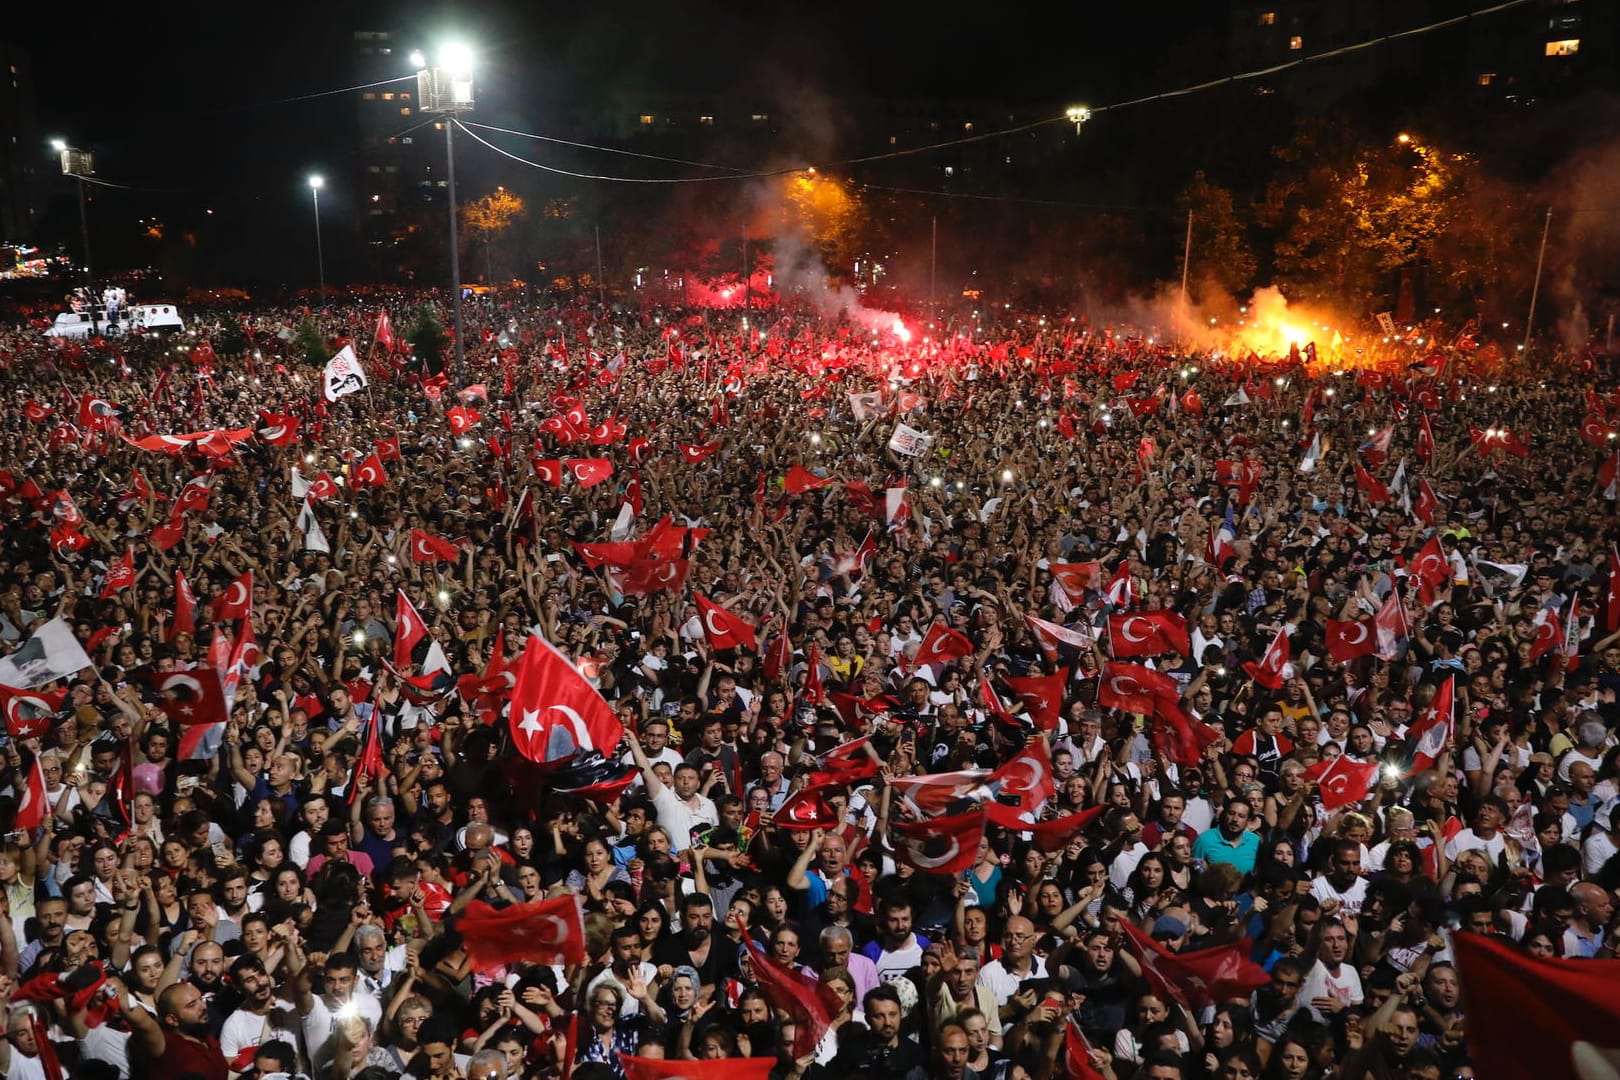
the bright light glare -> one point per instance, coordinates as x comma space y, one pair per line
317, 181
58, 145
900, 331
456, 58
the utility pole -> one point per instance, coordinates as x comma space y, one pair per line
1535, 290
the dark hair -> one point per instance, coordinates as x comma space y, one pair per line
278, 1050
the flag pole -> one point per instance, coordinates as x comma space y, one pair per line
1535, 290
1186, 264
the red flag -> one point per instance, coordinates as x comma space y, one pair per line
1340, 781
1372, 487
1051, 635
1026, 775
779, 656
370, 473
33, 802
1490, 440
388, 449
1611, 607
385, 332
555, 711
1053, 834
322, 487
931, 793
368, 764
1350, 638
1076, 578
1425, 438
1269, 671
941, 644
993, 706
1427, 503
1536, 1019
794, 994
236, 602
1192, 403
754, 1068
1432, 730
1148, 633
461, 418
724, 629
846, 763
1376, 448
1391, 627
548, 471
1549, 634
1134, 688
120, 575
538, 932
37, 412
1077, 1054
1121, 590
940, 845
1430, 565
409, 628
806, 808
1179, 736
425, 547
29, 713
800, 479
813, 692
643, 577
190, 698
280, 429
697, 453
1196, 979
1596, 432
589, 472
1042, 696
67, 538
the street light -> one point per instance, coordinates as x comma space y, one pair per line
1079, 114
316, 182
448, 90
80, 164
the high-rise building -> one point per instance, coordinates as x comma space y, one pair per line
22, 154
401, 173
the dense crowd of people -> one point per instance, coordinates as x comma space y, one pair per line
282, 893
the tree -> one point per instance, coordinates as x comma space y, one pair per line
427, 338
313, 342
1220, 246
489, 217
831, 218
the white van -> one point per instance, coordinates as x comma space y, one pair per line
78, 325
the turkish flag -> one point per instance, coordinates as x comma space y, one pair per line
1269, 671
388, 449
193, 496
539, 932
1429, 565
1372, 487
1350, 638
29, 713
1200, 978
1427, 502
561, 430
322, 487
67, 539
1148, 633
1052, 636
189, 698
724, 629
1391, 627
846, 763
813, 692
1595, 431
795, 994
1052, 834
1425, 438
755, 1068
638, 448
461, 418
1076, 578
36, 412
425, 547
33, 803
555, 711
384, 334
941, 644
1027, 775
409, 628
370, 473
236, 602
120, 575
548, 471
1611, 605
940, 845
806, 809
280, 429
1134, 688
589, 472
779, 656
1179, 736
696, 453
620, 554
1535, 1019
931, 793
1042, 696
800, 479
185, 607
1431, 731
1490, 440
643, 577
1340, 781
1549, 634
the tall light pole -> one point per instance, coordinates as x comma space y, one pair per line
316, 182
448, 90
80, 164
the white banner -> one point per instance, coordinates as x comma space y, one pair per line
1386, 323
909, 441
52, 653
344, 375
867, 405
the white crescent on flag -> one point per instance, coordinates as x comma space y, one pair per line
1360, 633
1125, 629
916, 846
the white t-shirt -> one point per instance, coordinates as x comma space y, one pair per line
1320, 983
1003, 983
1469, 840
243, 1029
1350, 900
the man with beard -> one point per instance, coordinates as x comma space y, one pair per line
207, 963
179, 1041
261, 1016
694, 945
886, 1053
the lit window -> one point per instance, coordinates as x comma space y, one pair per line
646, 118
388, 96
406, 140
1567, 47
760, 118
369, 95
1268, 18
404, 112
373, 168
894, 140
376, 198
933, 125
385, 52
1486, 78
438, 126
950, 170
1296, 43
968, 126
707, 121
405, 97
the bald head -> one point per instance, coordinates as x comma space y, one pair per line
479, 836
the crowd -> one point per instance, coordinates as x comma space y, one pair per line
283, 892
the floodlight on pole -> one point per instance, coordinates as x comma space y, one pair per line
80, 164
448, 91
316, 182
1079, 114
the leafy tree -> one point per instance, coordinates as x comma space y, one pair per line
1220, 244
489, 217
312, 342
428, 339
